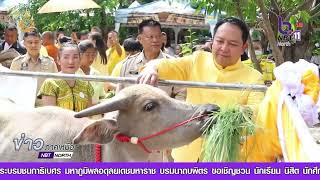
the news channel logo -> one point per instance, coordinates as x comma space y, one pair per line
287, 36
45, 151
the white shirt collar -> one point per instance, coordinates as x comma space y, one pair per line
6, 46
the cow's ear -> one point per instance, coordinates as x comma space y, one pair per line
99, 132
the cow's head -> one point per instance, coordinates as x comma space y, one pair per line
144, 110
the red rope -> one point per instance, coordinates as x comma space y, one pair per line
125, 138
170, 128
98, 152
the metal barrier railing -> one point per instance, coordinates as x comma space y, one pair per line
131, 80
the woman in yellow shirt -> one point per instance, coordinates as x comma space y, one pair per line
87, 54
74, 95
100, 62
115, 52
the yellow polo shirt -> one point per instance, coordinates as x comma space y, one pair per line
114, 58
98, 65
200, 66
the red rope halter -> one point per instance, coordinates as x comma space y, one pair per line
139, 141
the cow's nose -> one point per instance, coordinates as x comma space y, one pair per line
209, 108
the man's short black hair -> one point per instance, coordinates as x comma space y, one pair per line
237, 22
148, 23
32, 31
65, 39
132, 45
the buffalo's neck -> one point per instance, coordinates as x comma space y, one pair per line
123, 152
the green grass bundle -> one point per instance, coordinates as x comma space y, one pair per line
223, 132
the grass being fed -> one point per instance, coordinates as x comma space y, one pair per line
223, 132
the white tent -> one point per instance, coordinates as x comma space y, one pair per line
134, 4
171, 14
152, 8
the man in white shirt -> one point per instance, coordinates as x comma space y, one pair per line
11, 40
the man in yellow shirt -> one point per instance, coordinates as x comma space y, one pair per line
115, 52
223, 65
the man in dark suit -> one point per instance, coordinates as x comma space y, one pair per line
11, 40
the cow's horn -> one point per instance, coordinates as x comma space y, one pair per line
113, 104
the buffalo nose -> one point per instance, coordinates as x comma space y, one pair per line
209, 108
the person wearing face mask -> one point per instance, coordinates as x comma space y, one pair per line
258, 52
266, 65
257, 48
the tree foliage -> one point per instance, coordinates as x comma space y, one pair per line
70, 20
306, 11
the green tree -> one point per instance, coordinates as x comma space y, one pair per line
187, 48
264, 15
71, 20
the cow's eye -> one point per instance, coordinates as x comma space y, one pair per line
150, 106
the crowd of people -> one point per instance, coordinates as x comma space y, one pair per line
148, 57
